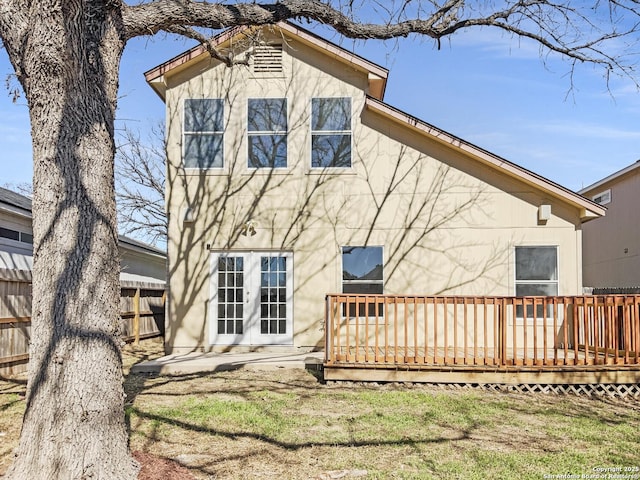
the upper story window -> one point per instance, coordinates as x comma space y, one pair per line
603, 197
267, 131
331, 132
203, 133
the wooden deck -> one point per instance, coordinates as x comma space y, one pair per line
570, 339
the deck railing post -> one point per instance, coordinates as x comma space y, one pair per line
636, 324
627, 329
328, 334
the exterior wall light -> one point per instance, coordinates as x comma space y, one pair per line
544, 213
249, 228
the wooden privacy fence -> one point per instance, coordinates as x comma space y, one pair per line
141, 307
491, 332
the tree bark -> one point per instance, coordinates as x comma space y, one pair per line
74, 425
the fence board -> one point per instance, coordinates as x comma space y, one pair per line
15, 316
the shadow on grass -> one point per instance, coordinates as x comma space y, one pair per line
465, 434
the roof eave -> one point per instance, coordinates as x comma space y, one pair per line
376, 74
610, 178
17, 211
588, 209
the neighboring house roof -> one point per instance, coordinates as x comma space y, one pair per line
377, 76
15, 202
140, 246
613, 176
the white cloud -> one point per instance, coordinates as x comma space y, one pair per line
588, 130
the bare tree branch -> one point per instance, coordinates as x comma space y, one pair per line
578, 31
140, 183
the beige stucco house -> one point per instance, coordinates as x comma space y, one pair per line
611, 245
290, 178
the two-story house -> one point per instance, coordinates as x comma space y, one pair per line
611, 245
290, 178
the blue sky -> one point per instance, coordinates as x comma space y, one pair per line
488, 89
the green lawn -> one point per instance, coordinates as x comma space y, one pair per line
288, 425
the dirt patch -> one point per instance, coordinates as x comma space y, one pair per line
155, 468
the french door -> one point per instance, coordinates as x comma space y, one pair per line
251, 298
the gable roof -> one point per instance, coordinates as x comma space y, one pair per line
613, 176
588, 209
376, 74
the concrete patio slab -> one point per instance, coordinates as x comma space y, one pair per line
215, 362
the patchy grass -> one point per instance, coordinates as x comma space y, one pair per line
285, 424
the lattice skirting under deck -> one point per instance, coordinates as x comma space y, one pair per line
589, 390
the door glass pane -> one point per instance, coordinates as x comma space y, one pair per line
273, 294
230, 297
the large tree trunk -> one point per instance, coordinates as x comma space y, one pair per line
74, 426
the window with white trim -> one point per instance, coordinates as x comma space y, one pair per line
363, 273
203, 133
267, 132
331, 132
536, 274
603, 197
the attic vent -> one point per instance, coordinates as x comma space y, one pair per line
267, 59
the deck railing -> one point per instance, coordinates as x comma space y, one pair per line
393, 330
